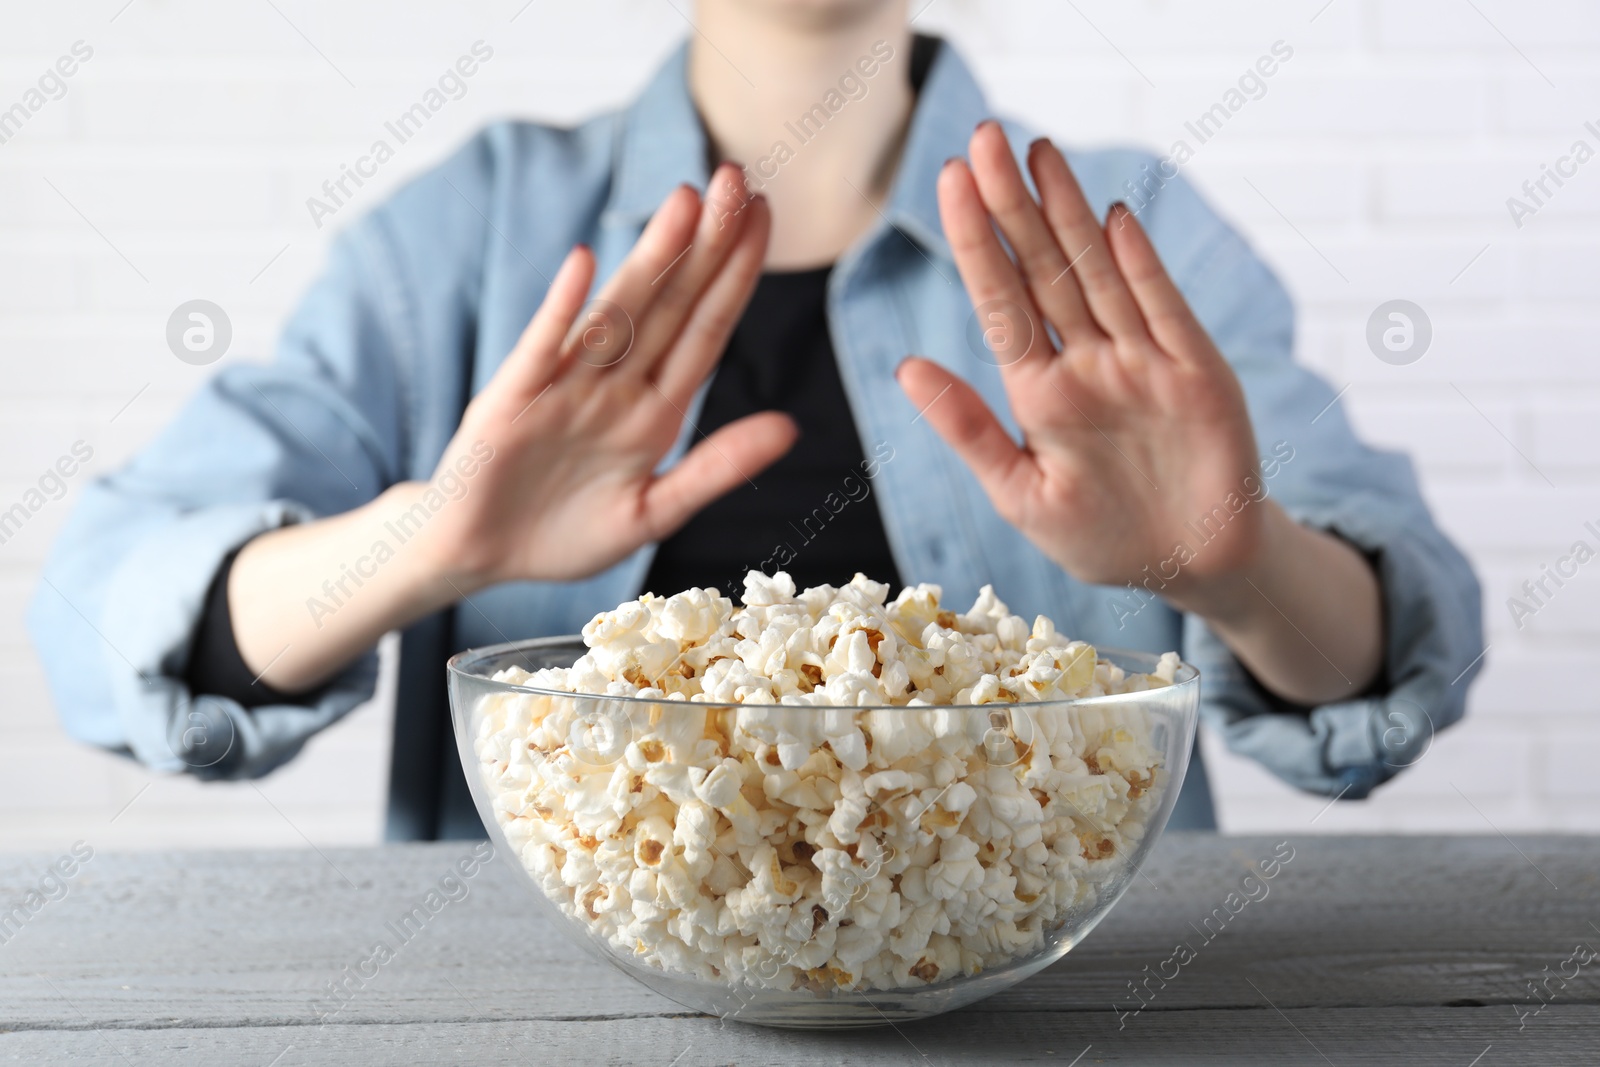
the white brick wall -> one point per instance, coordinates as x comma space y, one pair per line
1390, 141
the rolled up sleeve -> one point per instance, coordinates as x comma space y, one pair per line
320, 430
1432, 647
1432, 615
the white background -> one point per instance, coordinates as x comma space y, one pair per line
1377, 166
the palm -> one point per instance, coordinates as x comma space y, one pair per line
590, 401
571, 498
1135, 428
1119, 464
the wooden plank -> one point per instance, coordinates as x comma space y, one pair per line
255, 937
1346, 1037
1349, 921
244, 939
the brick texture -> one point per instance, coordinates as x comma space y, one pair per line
1376, 165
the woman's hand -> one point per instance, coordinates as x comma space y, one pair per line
1138, 463
594, 395
1134, 426
552, 473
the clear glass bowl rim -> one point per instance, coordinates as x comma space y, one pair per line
461, 665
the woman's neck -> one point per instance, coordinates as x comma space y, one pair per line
815, 108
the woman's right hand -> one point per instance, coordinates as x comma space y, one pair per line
552, 474
594, 395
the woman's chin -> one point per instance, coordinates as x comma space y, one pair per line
819, 14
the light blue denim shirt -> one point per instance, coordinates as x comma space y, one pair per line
424, 296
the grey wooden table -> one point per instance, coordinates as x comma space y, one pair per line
1362, 950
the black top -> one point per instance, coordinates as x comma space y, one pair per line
813, 513
216, 666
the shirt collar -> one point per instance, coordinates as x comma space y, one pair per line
662, 143
948, 109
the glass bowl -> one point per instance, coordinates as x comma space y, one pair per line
977, 846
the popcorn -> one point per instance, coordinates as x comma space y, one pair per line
795, 804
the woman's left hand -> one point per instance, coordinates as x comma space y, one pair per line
1134, 426
1137, 459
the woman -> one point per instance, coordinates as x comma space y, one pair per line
423, 456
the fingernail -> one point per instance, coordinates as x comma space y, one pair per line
985, 122
952, 159
582, 246
1037, 143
